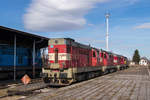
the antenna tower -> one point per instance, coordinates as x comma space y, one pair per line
107, 30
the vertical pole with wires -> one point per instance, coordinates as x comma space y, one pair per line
107, 30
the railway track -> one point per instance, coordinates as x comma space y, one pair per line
8, 83
130, 84
121, 85
21, 89
18, 88
26, 89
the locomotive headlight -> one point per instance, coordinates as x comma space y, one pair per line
115, 61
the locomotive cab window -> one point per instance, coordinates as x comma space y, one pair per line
98, 53
94, 55
104, 55
109, 56
68, 49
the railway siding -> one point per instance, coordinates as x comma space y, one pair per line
26, 88
130, 84
10, 87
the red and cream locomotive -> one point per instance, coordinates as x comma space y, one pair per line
70, 61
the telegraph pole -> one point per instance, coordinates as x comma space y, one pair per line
107, 30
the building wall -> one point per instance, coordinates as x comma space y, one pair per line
143, 62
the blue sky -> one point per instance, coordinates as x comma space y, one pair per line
84, 20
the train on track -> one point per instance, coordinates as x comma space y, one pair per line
70, 61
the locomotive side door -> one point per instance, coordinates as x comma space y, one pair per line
56, 55
105, 58
94, 57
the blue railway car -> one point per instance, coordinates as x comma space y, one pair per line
23, 61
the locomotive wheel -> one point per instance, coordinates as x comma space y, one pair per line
106, 72
46, 80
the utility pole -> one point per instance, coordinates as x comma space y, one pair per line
107, 30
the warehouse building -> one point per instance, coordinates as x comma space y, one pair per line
20, 53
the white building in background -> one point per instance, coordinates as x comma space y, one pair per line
144, 61
132, 63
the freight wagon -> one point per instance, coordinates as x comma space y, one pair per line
23, 61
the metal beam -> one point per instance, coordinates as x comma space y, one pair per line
34, 59
14, 57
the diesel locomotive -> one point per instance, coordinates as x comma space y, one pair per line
70, 61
